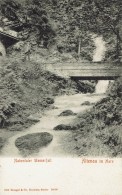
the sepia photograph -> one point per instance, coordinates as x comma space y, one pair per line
61, 92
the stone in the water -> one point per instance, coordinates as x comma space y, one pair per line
33, 141
67, 113
64, 127
86, 103
34, 118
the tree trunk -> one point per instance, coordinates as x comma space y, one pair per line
79, 47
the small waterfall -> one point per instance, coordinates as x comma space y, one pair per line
99, 52
101, 86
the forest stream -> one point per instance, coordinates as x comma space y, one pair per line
50, 119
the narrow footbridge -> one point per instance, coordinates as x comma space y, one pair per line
88, 70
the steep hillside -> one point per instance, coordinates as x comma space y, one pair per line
25, 89
66, 25
48, 24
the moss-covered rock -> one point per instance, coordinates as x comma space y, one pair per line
64, 127
67, 113
33, 141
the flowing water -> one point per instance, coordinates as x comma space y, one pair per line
101, 87
51, 119
100, 50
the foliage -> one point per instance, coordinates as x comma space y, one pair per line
103, 124
31, 17
104, 18
71, 22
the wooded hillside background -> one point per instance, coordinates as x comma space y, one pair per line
68, 25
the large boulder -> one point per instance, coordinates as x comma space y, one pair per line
33, 141
67, 113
